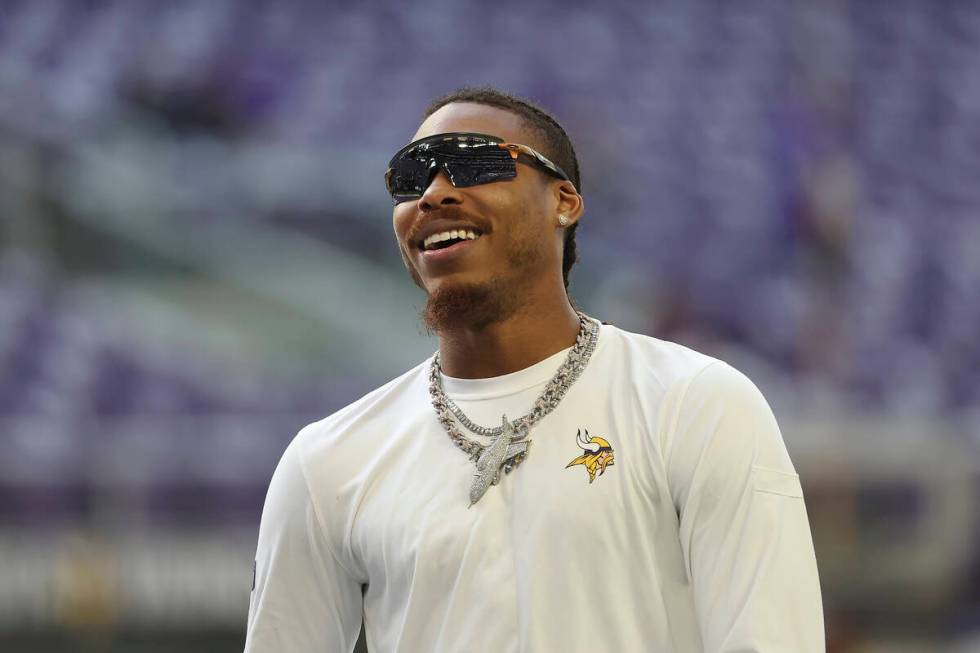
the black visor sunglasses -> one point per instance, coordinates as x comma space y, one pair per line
467, 159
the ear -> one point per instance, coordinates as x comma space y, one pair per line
569, 202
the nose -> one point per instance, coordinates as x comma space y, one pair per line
440, 192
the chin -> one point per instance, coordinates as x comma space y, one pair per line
454, 305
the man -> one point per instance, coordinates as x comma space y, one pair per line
543, 482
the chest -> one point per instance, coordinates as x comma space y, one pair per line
590, 488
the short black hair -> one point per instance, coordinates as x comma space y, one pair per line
554, 142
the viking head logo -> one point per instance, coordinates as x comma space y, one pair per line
598, 454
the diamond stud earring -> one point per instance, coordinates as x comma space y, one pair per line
562, 220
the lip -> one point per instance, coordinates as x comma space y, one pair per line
450, 253
440, 225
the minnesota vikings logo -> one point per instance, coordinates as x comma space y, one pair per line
598, 454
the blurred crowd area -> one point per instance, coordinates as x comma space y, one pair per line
196, 259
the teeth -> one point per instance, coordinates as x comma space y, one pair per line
449, 235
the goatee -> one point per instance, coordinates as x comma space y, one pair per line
469, 306
475, 306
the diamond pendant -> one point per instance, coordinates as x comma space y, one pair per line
490, 465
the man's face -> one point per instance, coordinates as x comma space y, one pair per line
518, 244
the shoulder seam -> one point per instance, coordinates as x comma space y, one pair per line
319, 517
672, 428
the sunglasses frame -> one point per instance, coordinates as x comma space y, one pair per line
515, 150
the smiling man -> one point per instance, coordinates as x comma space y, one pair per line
543, 482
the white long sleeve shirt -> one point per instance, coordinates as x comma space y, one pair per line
695, 538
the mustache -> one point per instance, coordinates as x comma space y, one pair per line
450, 213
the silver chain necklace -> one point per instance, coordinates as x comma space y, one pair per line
510, 444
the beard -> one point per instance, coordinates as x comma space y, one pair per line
475, 306
472, 306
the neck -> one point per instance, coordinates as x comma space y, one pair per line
531, 334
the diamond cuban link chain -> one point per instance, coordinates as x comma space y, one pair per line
514, 453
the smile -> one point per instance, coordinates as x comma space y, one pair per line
445, 251
446, 239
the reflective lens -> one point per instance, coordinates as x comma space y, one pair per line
467, 159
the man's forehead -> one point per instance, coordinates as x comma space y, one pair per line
473, 117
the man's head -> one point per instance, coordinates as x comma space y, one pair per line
521, 251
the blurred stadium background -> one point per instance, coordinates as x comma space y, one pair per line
196, 259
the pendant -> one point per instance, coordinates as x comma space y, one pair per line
490, 464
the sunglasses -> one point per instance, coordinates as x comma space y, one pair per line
467, 159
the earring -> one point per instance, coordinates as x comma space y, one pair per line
562, 220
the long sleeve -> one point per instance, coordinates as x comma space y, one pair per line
303, 599
743, 523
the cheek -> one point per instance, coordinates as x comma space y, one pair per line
401, 220
527, 218
534, 230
